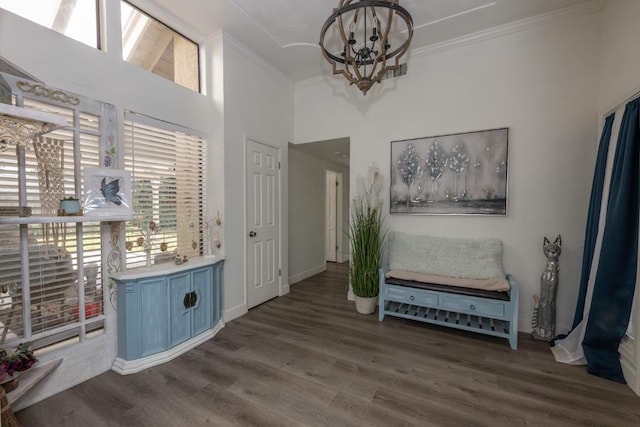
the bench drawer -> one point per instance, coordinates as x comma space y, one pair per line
412, 296
495, 309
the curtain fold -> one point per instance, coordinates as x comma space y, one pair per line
608, 279
593, 217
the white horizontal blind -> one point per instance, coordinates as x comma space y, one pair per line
168, 181
61, 256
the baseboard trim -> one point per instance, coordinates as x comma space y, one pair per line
284, 289
306, 274
235, 312
127, 367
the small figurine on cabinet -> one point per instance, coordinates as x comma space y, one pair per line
543, 324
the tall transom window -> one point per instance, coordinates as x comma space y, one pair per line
152, 45
75, 19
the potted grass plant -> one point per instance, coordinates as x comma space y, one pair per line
367, 236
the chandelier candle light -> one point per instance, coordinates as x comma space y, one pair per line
366, 39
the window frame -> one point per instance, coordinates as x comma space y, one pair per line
83, 328
164, 24
133, 257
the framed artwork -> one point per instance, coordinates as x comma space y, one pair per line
457, 174
107, 192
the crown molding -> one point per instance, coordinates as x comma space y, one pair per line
593, 6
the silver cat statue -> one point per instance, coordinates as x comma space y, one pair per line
543, 324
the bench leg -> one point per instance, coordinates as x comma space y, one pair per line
380, 308
513, 340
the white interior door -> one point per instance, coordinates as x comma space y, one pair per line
263, 223
331, 222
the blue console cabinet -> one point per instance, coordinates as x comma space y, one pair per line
166, 310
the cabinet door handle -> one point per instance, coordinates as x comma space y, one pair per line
190, 299
412, 298
472, 307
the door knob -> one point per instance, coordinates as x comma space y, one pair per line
252, 234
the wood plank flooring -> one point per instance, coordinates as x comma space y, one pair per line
308, 359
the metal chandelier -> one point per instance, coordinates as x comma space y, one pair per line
365, 46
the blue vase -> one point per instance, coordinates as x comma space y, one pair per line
70, 207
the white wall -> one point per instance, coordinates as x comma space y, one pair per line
541, 82
258, 105
306, 216
620, 62
307, 188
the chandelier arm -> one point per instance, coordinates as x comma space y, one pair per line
345, 41
402, 49
355, 69
348, 58
380, 58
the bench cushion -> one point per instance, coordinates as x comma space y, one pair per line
442, 256
494, 284
503, 296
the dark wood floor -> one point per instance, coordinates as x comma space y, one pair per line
307, 359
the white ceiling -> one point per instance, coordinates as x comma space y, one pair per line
285, 33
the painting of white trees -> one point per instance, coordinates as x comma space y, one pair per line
464, 173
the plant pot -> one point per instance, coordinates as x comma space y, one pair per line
70, 207
11, 382
365, 305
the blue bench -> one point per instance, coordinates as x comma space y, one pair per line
491, 310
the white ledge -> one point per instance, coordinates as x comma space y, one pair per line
165, 268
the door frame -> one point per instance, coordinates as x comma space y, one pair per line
245, 245
327, 190
340, 255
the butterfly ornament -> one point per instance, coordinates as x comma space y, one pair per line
110, 191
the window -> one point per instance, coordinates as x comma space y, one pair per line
62, 297
151, 45
168, 180
75, 19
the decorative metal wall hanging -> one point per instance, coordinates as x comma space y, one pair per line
460, 174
